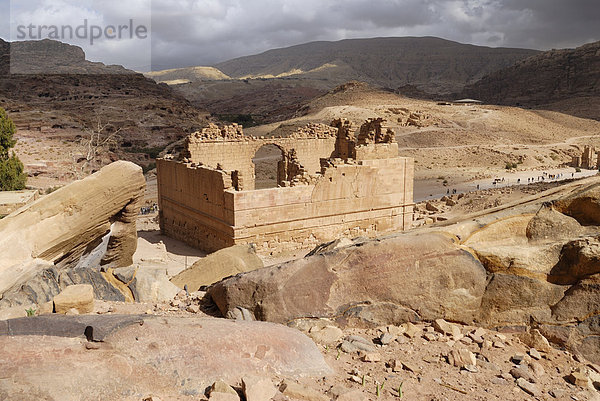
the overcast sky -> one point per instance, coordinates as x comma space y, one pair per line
204, 32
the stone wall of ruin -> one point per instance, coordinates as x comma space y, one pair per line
194, 205
229, 149
365, 198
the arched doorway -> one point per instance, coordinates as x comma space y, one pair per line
269, 169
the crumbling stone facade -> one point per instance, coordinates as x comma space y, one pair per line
330, 185
588, 160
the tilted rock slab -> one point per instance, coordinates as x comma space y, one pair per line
400, 278
61, 227
166, 357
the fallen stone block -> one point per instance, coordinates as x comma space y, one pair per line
78, 297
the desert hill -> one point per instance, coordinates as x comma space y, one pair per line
61, 96
431, 64
566, 80
453, 143
271, 86
184, 75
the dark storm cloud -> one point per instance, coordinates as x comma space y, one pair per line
232, 28
204, 32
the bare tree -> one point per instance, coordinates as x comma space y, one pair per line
94, 142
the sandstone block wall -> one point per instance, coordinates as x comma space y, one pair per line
200, 206
368, 198
194, 205
237, 154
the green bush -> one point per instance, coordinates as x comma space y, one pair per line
12, 175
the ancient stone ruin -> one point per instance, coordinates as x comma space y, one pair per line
331, 183
588, 160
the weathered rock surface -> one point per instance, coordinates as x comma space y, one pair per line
549, 224
511, 299
62, 227
79, 297
216, 266
533, 265
579, 259
143, 359
426, 274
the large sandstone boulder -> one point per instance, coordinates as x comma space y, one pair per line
579, 259
218, 265
60, 228
140, 359
551, 225
513, 299
402, 278
583, 206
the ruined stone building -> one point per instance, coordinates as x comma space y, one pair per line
331, 182
588, 160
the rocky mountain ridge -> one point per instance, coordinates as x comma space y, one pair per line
544, 79
431, 64
49, 86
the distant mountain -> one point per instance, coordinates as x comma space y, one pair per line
429, 64
567, 80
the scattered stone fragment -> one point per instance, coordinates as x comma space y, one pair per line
580, 378
522, 372
537, 369
258, 388
498, 344
461, 358
430, 336
471, 368
387, 338
535, 339
327, 335
528, 387
297, 391
371, 357
449, 329
79, 297
223, 397
557, 393
410, 330
47, 308
534, 353
517, 359
221, 387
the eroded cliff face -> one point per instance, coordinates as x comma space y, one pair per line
552, 76
54, 233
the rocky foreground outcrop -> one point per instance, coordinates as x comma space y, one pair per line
138, 356
65, 237
536, 265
